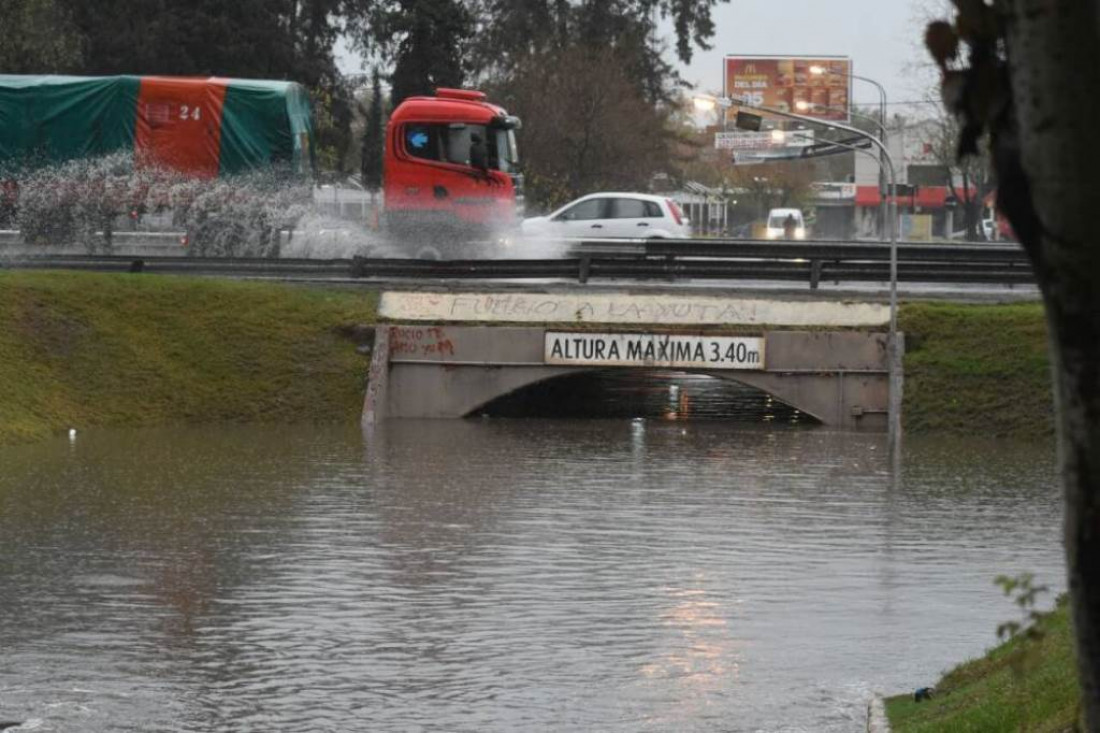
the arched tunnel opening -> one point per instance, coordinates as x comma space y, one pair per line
647, 394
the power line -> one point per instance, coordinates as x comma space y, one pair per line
905, 102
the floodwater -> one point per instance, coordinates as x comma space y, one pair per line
502, 574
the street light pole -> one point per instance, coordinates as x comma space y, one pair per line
821, 70
882, 116
839, 144
893, 350
882, 97
810, 106
882, 104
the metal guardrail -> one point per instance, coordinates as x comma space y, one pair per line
817, 261
809, 250
224, 266
663, 268
809, 262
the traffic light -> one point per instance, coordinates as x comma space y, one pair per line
748, 121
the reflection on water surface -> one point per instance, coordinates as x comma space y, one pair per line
505, 575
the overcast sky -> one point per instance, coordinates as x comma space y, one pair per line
881, 36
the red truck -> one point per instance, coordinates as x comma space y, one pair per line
451, 176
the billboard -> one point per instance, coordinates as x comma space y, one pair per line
788, 84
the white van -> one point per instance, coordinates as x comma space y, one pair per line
777, 224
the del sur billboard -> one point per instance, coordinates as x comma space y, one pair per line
790, 84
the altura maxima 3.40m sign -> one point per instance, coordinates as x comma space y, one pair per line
654, 350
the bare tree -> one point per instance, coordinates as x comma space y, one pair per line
969, 179
1030, 79
586, 125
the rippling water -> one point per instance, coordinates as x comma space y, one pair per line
502, 575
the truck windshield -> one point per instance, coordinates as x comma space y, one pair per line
452, 143
506, 158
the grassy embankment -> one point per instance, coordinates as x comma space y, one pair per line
977, 369
85, 349
986, 369
81, 350
1020, 685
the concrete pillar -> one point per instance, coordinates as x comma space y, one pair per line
897, 384
376, 400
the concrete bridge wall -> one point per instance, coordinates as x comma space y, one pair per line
839, 377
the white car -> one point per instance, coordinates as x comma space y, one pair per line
620, 215
778, 220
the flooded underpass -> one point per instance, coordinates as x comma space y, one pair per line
505, 574
646, 394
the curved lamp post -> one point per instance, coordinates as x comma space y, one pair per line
822, 71
810, 107
894, 418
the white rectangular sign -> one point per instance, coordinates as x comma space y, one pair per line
834, 191
767, 140
654, 350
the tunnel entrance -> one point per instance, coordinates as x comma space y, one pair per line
647, 394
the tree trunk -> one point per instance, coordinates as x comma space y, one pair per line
1054, 61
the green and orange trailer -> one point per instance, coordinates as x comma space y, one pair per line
203, 127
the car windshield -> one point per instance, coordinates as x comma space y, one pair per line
778, 222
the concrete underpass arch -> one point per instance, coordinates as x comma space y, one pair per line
428, 391
784, 392
840, 378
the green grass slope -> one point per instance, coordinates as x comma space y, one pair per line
81, 350
1018, 686
977, 369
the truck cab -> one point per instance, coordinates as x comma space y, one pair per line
451, 170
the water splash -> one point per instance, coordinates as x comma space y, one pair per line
323, 236
84, 204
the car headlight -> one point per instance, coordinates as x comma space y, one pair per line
800, 233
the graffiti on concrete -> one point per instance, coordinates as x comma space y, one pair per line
627, 308
427, 341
